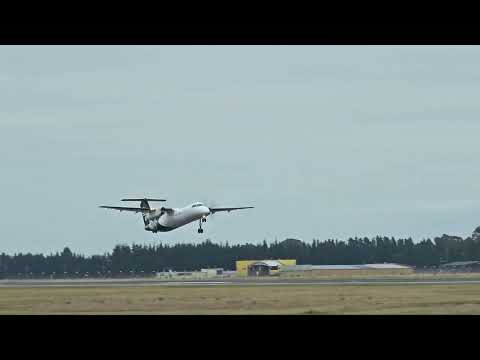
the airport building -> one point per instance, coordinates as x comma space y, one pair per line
289, 268
262, 267
202, 274
467, 266
363, 269
211, 272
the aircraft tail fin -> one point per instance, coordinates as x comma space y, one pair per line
144, 205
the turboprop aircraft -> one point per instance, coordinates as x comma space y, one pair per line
167, 219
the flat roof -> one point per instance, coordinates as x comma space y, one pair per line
387, 266
345, 267
337, 267
462, 263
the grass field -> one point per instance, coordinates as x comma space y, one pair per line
344, 275
364, 299
337, 275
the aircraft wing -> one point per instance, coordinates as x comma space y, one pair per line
122, 208
214, 210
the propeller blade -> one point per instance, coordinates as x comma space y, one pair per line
210, 204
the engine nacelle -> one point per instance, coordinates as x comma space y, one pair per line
152, 226
150, 216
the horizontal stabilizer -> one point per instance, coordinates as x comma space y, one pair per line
146, 199
121, 208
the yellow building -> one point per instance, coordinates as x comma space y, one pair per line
261, 267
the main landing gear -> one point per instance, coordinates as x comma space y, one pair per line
200, 230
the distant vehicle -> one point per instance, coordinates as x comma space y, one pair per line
167, 219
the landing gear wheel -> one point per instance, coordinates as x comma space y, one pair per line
200, 231
204, 220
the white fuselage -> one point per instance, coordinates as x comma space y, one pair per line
160, 220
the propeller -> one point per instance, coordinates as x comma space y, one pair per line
211, 204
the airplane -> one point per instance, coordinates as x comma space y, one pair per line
167, 219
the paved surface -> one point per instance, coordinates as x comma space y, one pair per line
222, 282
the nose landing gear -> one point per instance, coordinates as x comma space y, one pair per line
200, 230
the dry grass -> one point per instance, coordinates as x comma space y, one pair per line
339, 275
365, 299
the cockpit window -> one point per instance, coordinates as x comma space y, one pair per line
195, 205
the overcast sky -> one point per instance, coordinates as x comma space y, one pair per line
324, 141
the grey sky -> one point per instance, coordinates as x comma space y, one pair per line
325, 141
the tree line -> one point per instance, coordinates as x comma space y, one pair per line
147, 259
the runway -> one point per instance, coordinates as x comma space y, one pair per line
223, 282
